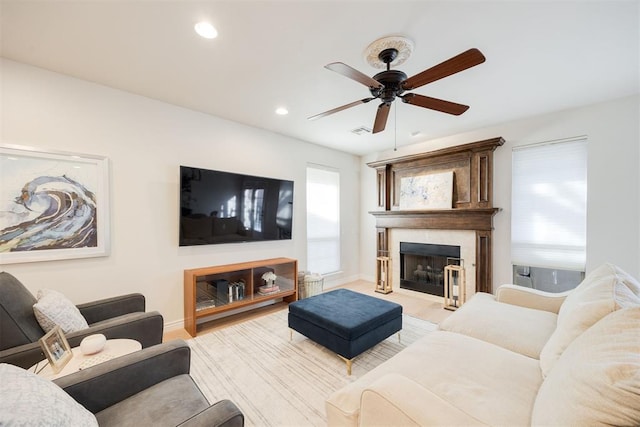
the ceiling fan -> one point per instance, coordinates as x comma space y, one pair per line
391, 84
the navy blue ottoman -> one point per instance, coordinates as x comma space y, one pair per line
345, 322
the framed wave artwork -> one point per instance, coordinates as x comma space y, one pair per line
53, 205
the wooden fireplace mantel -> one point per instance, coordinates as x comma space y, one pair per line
472, 208
450, 219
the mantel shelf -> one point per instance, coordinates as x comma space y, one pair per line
445, 219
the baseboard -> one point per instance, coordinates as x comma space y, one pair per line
174, 325
331, 282
367, 278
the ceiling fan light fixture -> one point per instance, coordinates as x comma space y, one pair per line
206, 30
390, 84
281, 111
403, 45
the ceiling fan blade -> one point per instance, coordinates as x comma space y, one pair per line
435, 104
353, 74
381, 117
343, 107
468, 59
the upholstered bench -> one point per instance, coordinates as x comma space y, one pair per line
346, 322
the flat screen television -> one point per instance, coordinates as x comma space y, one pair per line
225, 207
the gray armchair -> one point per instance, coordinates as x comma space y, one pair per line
119, 317
151, 387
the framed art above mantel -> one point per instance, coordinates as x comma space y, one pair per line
53, 205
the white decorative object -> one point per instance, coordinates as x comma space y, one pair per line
403, 45
92, 344
423, 192
270, 278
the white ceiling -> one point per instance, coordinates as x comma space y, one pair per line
542, 56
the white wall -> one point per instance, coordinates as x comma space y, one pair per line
146, 141
613, 206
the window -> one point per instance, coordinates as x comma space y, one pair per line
252, 209
549, 205
323, 220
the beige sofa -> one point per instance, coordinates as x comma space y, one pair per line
521, 357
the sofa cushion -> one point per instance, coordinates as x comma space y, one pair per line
169, 402
604, 290
492, 385
520, 329
596, 381
30, 400
391, 401
53, 309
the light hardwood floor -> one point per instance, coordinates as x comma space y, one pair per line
415, 304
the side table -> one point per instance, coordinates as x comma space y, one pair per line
112, 349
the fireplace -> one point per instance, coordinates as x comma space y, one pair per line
471, 212
422, 266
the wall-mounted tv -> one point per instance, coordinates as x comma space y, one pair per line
225, 207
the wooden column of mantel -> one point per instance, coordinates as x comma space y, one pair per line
472, 209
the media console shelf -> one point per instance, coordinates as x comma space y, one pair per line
217, 289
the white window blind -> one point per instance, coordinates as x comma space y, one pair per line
549, 205
323, 220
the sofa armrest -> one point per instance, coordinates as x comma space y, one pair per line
531, 298
107, 308
397, 400
113, 381
23, 356
221, 414
146, 328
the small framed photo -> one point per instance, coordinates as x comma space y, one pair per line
55, 346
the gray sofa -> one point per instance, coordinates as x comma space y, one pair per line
118, 317
151, 387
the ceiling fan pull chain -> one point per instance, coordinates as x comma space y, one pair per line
395, 128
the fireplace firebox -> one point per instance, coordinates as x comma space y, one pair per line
422, 266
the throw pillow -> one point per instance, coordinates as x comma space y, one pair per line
604, 290
30, 400
596, 381
53, 309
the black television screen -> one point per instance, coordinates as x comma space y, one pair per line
224, 207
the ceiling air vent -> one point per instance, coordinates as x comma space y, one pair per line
360, 130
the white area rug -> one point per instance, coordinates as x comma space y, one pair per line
277, 382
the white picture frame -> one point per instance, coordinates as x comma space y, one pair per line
53, 205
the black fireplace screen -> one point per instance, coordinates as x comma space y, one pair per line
422, 266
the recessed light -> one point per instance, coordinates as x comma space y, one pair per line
206, 30
281, 111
